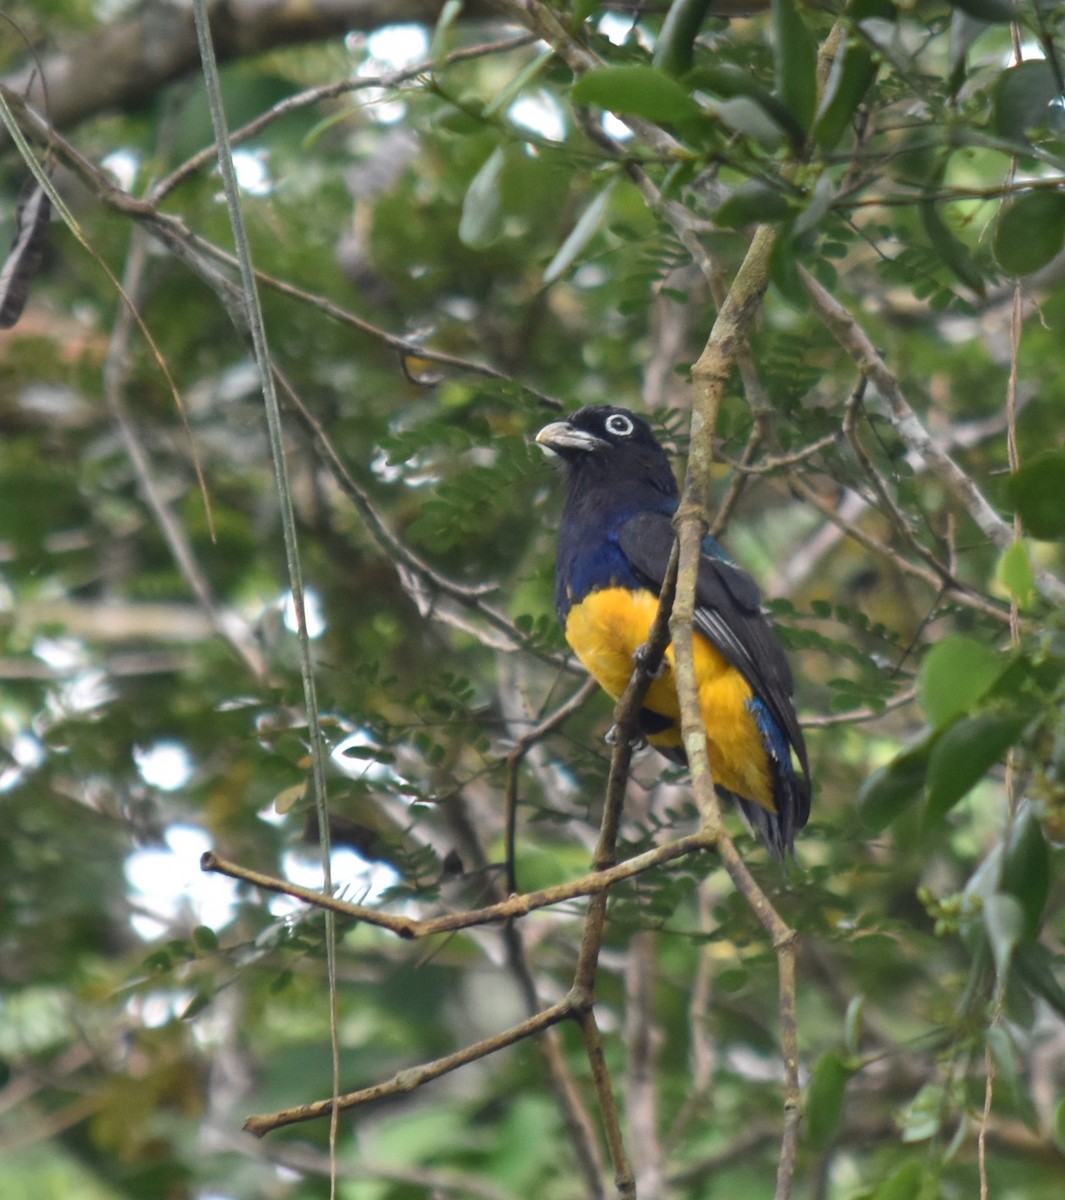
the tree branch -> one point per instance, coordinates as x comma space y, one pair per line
519, 905
121, 65
709, 376
407, 1081
853, 338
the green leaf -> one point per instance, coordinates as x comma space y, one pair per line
638, 91
823, 1108
673, 50
282, 981
907, 1183
753, 202
852, 71
158, 962
205, 938
482, 208
964, 754
1026, 869
580, 235
987, 877
744, 115
784, 266
1033, 965
822, 197
954, 253
795, 54
1030, 231
457, 120
730, 82
893, 788
954, 675
1022, 99
1004, 925
923, 1118
1014, 572
195, 1006
1037, 492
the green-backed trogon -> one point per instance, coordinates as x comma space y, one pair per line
614, 545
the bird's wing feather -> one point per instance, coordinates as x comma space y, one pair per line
728, 613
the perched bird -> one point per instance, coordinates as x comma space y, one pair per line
614, 545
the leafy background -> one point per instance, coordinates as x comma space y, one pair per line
456, 243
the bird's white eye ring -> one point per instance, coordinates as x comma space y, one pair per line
619, 425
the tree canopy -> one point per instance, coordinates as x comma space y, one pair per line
276, 576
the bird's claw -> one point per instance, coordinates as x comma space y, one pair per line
613, 736
640, 659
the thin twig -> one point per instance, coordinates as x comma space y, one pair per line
805, 559
961, 593
854, 716
897, 517
514, 760
184, 246
404, 1082
738, 482
774, 462
257, 328
230, 625
518, 905
192, 248
853, 338
23, 123
329, 91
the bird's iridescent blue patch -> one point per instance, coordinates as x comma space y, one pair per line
776, 743
712, 548
605, 566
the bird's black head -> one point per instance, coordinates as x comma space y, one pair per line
606, 446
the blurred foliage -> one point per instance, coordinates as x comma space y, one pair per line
486, 210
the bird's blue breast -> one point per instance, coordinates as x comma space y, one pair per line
590, 557
591, 568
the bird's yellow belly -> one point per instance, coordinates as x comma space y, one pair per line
606, 629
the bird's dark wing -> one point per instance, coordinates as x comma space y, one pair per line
728, 612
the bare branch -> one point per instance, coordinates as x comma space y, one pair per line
519, 905
408, 1081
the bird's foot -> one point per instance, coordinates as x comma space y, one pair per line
613, 736
640, 659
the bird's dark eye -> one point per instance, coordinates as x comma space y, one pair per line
619, 425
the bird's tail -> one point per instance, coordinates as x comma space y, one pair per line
777, 829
